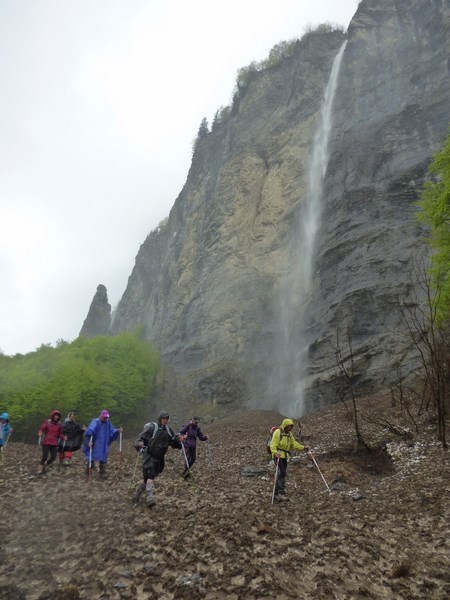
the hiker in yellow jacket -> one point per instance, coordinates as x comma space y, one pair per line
283, 442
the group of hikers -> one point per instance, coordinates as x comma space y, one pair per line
67, 437
64, 438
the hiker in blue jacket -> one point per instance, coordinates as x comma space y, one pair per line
192, 431
153, 444
99, 435
5, 429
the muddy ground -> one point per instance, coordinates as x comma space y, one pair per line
383, 531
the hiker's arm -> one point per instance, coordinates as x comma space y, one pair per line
176, 441
296, 445
201, 435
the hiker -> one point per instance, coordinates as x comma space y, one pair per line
153, 443
50, 433
281, 445
98, 436
192, 431
5, 429
74, 438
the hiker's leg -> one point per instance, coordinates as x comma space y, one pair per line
45, 453
279, 486
282, 480
53, 453
141, 487
193, 456
102, 467
150, 484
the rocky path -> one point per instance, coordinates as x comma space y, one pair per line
383, 532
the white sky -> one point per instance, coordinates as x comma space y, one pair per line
100, 101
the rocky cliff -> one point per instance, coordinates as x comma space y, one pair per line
216, 287
98, 320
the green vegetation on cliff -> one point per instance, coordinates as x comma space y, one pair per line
87, 375
435, 213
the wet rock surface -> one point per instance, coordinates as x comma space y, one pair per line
383, 531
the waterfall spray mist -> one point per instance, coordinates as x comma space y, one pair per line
287, 383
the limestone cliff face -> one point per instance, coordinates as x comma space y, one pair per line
209, 285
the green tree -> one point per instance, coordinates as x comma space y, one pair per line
113, 372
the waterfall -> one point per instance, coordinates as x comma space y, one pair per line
287, 383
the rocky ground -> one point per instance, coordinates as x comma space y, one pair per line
382, 532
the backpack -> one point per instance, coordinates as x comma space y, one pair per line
269, 439
155, 430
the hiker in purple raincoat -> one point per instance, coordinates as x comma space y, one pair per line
192, 431
99, 435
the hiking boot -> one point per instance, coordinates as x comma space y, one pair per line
278, 498
66, 462
151, 502
102, 474
40, 469
137, 493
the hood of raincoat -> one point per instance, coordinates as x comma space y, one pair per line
55, 412
5, 416
286, 423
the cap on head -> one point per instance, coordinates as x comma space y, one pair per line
163, 415
105, 414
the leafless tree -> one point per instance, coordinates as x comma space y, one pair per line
432, 341
346, 363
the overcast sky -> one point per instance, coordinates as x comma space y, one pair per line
100, 101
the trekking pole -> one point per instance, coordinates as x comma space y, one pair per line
134, 473
178, 460
315, 462
275, 480
89, 477
120, 450
210, 463
38, 446
9, 435
186, 458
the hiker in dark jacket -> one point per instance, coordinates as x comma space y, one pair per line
51, 432
153, 443
192, 431
74, 438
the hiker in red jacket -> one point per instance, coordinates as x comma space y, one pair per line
50, 433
